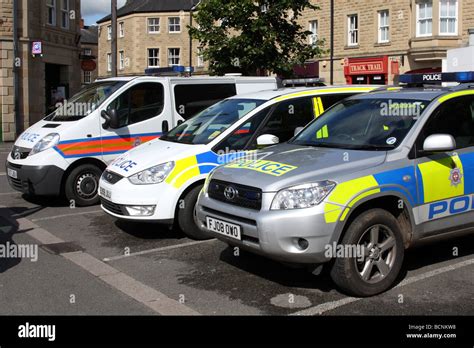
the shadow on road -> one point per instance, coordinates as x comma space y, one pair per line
418, 257
9, 227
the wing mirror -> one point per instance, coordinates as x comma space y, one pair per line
267, 140
298, 130
111, 119
439, 143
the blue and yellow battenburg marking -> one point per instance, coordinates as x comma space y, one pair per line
347, 194
197, 165
442, 190
113, 145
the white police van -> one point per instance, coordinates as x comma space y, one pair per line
160, 181
67, 151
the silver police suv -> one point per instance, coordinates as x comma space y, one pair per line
368, 179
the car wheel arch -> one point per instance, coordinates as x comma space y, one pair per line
389, 201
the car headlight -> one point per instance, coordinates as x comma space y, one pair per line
49, 141
303, 196
205, 188
153, 175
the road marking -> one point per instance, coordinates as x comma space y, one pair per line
140, 292
3, 174
150, 251
329, 306
148, 296
9, 193
66, 215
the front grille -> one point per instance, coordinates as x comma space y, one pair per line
20, 152
111, 177
245, 196
113, 208
16, 183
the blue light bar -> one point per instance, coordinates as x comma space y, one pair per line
172, 70
437, 78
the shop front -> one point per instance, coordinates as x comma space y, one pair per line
367, 71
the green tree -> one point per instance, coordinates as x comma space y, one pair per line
253, 37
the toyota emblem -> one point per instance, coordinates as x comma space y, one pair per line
230, 193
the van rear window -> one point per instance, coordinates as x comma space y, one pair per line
192, 99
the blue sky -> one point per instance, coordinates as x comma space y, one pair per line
93, 10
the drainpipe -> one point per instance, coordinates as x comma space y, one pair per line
16, 79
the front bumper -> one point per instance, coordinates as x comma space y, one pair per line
36, 180
125, 194
273, 234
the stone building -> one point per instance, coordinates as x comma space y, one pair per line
376, 39
150, 34
89, 53
47, 64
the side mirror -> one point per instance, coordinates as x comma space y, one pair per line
267, 140
165, 128
298, 130
111, 119
439, 143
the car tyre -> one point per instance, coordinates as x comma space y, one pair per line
186, 211
380, 234
82, 185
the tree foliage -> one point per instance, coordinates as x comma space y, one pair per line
253, 37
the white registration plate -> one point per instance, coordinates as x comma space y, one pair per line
224, 228
12, 173
105, 193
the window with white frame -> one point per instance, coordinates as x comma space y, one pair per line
313, 28
353, 30
121, 60
448, 18
153, 57
174, 24
174, 56
65, 14
87, 52
153, 25
109, 32
200, 58
51, 8
87, 77
384, 26
424, 18
109, 62
122, 29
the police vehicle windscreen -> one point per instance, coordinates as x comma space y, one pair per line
363, 124
210, 123
84, 102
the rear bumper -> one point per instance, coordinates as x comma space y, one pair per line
36, 180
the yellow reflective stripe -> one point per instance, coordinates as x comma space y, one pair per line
331, 212
391, 89
346, 191
347, 194
317, 110
344, 215
325, 91
186, 175
323, 133
436, 179
182, 167
455, 95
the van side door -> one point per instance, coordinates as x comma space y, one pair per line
139, 109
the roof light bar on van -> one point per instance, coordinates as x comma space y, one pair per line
169, 71
437, 78
304, 82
